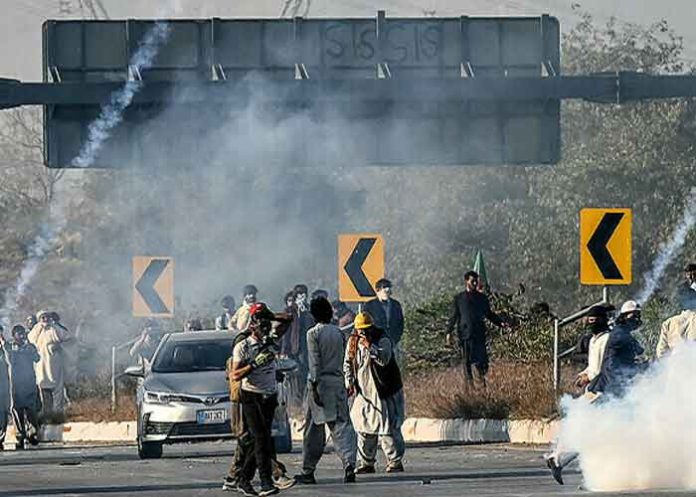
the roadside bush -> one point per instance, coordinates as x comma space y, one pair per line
529, 341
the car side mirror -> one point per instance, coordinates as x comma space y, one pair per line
136, 371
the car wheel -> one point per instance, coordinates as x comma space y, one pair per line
149, 450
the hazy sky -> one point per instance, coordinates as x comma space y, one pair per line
20, 23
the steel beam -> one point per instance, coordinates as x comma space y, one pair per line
612, 88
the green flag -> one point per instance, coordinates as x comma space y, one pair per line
480, 268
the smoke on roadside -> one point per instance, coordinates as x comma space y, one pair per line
644, 440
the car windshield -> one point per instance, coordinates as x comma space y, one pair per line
183, 357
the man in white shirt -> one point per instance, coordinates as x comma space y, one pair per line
597, 322
680, 328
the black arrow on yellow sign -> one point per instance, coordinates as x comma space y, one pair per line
597, 245
354, 267
146, 286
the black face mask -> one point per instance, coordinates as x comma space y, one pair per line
634, 322
596, 327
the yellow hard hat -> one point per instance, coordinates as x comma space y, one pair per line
363, 321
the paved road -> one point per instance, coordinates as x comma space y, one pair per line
196, 470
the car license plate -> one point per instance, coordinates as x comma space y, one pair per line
211, 416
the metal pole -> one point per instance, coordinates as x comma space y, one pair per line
556, 369
605, 295
113, 379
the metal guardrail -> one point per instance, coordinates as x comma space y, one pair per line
558, 324
114, 374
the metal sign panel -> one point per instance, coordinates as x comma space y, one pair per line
605, 246
153, 287
233, 52
360, 266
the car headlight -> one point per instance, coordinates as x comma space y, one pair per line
157, 398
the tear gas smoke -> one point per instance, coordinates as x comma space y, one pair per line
644, 440
669, 250
98, 132
36, 254
112, 113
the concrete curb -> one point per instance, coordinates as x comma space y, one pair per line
415, 430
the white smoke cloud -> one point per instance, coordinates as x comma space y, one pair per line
643, 441
112, 113
98, 132
37, 252
669, 250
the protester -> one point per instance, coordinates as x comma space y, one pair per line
5, 399
49, 338
21, 356
31, 321
598, 327
597, 324
387, 311
679, 328
253, 362
689, 285
327, 403
294, 345
244, 450
70, 351
469, 310
319, 292
372, 376
343, 316
240, 319
193, 325
228, 303
145, 346
620, 364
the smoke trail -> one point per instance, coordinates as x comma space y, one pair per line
644, 440
670, 250
112, 113
36, 254
98, 132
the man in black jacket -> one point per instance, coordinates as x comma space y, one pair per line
386, 311
469, 310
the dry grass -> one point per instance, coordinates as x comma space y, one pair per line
513, 391
99, 409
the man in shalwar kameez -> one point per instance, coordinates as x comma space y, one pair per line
373, 377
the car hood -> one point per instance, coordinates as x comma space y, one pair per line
198, 383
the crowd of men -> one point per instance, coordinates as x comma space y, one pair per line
348, 381
35, 366
614, 355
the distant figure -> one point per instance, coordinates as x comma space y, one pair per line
319, 293
193, 325
469, 310
240, 320
294, 345
387, 312
145, 346
228, 303
31, 322
5, 399
343, 316
22, 355
49, 337
688, 288
680, 328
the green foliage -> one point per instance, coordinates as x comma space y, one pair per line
529, 341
